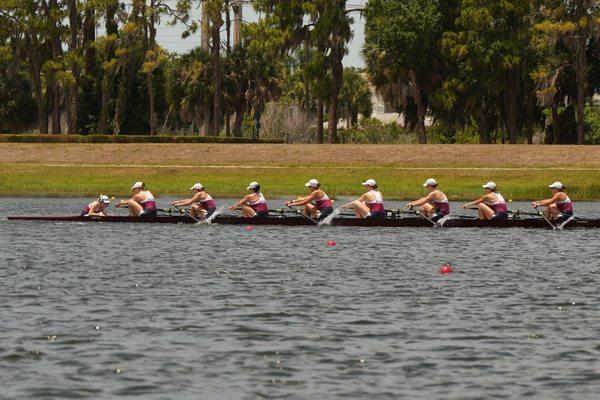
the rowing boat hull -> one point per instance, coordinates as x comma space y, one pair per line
301, 221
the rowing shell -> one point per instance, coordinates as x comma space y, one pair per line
299, 221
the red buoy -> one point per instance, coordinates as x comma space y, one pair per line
331, 243
249, 228
446, 269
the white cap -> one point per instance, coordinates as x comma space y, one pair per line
557, 185
137, 185
104, 199
313, 183
369, 182
197, 186
490, 185
430, 182
253, 185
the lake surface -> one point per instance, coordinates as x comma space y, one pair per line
106, 311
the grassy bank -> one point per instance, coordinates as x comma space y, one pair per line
73, 170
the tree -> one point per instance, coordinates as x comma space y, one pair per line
355, 96
401, 52
573, 24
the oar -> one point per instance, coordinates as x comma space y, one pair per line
545, 218
314, 221
520, 212
420, 214
187, 214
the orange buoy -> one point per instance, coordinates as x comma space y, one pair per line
331, 243
446, 269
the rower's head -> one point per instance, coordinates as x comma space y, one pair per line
254, 187
138, 187
490, 187
103, 200
557, 187
198, 187
431, 184
313, 185
370, 184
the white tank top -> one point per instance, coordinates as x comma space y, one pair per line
378, 198
565, 200
261, 200
149, 197
499, 200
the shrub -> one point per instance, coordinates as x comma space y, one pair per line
123, 139
372, 131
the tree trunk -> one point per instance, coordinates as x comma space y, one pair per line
35, 73
555, 124
228, 26
510, 106
73, 48
239, 119
217, 22
111, 28
484, 133
580, 73
337, 72
89, 36
529, 118
56, 50
320, 116
415, 91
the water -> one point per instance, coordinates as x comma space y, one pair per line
105, 311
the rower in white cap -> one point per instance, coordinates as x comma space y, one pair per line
141, 204
254, 204
202, 205
435, 205
559, 206
322, 206
370, 204
492, 205
97, 207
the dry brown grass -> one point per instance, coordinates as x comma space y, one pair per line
491, 156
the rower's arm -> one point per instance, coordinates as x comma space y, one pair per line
188, 202
421, 201
243, 201
547, 202
476, 202
303, 201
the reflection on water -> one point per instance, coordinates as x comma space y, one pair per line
193, 311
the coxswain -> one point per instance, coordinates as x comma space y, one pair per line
435, 205
201, 203
141, 204
97, 207
370, 204
254, 204
492, 205
559, 206
322, 206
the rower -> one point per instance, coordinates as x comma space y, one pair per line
322, 206
370, 204
141, 204
435, 205
201, 203
492, 205
559, 206
97, 207
254, 204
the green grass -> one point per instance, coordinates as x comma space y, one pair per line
55, 181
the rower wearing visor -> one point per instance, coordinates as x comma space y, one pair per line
492, 205
254, 204
97, 207
559, 206
141, 204
202, 205
435, 205
322, 206
370, 204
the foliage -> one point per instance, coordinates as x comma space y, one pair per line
374, 131
592, 124
9, 138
